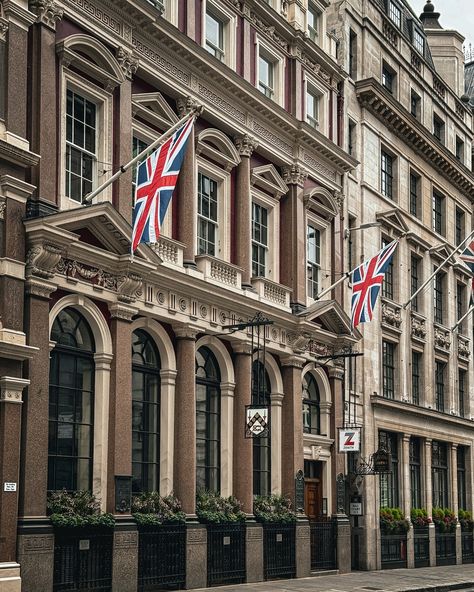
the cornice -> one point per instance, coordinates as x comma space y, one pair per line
16, 155
18, 15
382, 105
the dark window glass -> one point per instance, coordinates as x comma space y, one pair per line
388, 369
137, 147
415, 377
388, 78
145, 413
353, 55
461, 391
313, 259
460, 302
438, 218
207, 215
387, 284
438, 128
351, 137
71, 403
261, 446
386, 169
415, 104
311, 405
415, 195
208, 421
215, 36
439, 474
415, 472
440, 372
461, 470
389, 481
459, 149
459, 226
394, 13
438, 283
2, 78
418, 41
415, 280
259, 240
265, 73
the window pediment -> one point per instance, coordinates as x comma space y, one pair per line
322, 202
441, 252
392, 219
420, 244
266, 177
153, 108
216, 145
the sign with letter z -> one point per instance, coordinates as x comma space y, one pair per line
349, 439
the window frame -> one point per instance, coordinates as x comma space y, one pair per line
415, 279
389, 481
388, 284
440, 385
438, 198
415, 196
271, 204
229, 24
313, 9
418, 36
388, 78
389, 368
265, 50
322, 226
439, 125
416, 483
439, 295
397, 22
312, 87
387, 177
416, 376
310, 404
261, 246
462, 390
262, 446
440, 467
415, 100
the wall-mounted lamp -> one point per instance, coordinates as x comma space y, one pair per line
348, 231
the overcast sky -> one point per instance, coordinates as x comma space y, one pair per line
455, 14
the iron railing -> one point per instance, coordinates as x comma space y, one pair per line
422, 546
445, 548
467, 547
279, 551
323, 545
394, 550
225, 554
162, 557
82, 560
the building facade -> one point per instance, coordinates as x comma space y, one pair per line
410, 126
119, 368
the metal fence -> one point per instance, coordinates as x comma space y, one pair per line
162, 558
323, 545
445, 548
279, 551
422, 547
82, 560
394, 550
225, 554
467, 547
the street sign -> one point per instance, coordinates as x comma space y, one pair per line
349, 439
355, 506
256, 421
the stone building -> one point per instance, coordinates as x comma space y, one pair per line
92, 343
411, 128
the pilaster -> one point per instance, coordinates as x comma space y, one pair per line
276, 440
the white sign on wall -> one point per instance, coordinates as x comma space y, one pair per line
349, 439
9, 486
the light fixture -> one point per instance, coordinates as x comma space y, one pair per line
348, 231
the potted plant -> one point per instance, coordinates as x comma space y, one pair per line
77, 509
466, 521
151, 509
211, 508
445, 519
273, 509
392, 521
419, 517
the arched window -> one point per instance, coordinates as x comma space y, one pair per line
71, 403
261, 446
208, 420
311, 407
145, 413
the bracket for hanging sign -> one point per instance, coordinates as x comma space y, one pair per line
380, 462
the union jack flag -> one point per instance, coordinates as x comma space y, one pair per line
366, 283
156, 177
467, 256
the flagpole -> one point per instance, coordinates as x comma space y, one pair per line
442, 264
124, 168
332, 286
462, 319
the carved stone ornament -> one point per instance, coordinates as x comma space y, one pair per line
186, 105
463, 348
42, 260
3, 29
266, 29
99, 277
317, 349
391, 316
129, 287
294, 175
339, 198
418, 328
127, 61
47, 11
3, 207
299, 341
441, 339
245, 145
122, 312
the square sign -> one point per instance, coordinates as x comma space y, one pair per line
349, 439
9, 486
256, 421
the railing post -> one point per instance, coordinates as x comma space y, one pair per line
196, 556
458, 544
254, 552
303, 548
125, 556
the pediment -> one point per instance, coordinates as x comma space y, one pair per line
441, 252
330, 317
266, 177
153, 108
392, 219
321, 201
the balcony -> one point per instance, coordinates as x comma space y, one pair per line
272, 292
219, 271
169, 250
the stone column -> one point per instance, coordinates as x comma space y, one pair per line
186, 210
196, 555
254, 552
429, 498
243, 209
185, 419
168, 389
122, 188
44, 116
293, 241
275, 440
406, 498
243, 447
292, 424
227, 437
10, 429
338, 465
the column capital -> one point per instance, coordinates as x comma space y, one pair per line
3, 29
294, 175
40, 288
242, 348
122, 312
293, 362
186, 105
406, 438
454, 445
428, 442
127, 61
336, 372
11, 389
245, 145
186, 331
47, 11
276, 399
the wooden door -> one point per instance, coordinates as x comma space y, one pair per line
313, 499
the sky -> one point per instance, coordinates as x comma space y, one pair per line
455, 14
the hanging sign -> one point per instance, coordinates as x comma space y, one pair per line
256, 421
381, 461
349, 439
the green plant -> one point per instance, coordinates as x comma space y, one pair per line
273, 508
419, 517
150, 509
211, 508
445, 519
392, 521
465, 519
77, 509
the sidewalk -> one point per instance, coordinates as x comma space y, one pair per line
443, 578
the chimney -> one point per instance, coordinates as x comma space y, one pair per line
446, 49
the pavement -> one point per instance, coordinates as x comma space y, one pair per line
434, 579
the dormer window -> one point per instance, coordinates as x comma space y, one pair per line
418, 41
394, 13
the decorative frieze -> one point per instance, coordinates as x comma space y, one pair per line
37, 544
161, 63
439, 87
391, 315
126, 540
226, 106
418, 327
104, 18
441, 339
47, 11
319, 167
299, 341
313, 66
3, 207
41, 260
390, 33
3, 29
186, 105
272, 138
416, 61
266, 29
464, 351
127, 61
